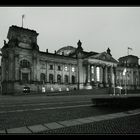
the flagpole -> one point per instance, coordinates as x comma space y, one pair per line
128, 48
23, 16
22, 21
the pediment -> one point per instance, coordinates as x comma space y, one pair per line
103, 56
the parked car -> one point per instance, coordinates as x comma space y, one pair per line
26, 89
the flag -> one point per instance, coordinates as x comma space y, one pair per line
124, 71
23, 16
130, 48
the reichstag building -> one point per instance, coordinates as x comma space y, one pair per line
69, 68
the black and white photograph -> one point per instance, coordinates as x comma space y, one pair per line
69, 70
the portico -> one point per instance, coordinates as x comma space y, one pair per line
99, 73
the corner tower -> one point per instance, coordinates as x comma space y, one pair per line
19, 59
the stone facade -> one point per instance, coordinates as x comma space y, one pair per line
130, 78
23, 64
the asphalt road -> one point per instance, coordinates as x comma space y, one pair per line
18, 111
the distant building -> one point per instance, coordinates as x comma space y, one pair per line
131, 76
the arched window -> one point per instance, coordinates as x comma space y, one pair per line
92, 73
51, 78
66, 79
58, 78
73, 79
42, 77
24, 64
73, 69
59, 68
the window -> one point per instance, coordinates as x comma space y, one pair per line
92, 69
98, 73
25, 77
58, 79
73, 69
42, 77
24, 63
51, 78
59, 68
73, 79
66, 68
66, 79
92, 73
51, 67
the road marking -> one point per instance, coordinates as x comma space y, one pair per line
35, 104
47, 108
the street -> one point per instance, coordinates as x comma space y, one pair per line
18, 111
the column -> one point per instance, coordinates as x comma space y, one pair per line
101, 74
46, 73
55, 76
111, 75
63, 71
70, 70
106, 73
16, 68
95, 79
103, 77
114, 72
88, 73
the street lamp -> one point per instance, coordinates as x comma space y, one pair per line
125, 74
114, 83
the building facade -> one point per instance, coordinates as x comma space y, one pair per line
68, 68
128, 72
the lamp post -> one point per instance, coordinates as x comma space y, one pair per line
125, 83
78, 72
114, 80
120, 83
124, 74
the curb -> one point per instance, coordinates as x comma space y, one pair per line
62, 124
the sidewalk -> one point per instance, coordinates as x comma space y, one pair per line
125, 122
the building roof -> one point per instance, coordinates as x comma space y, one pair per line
104, 56
56, 55
67, 50
17, 28
128, 56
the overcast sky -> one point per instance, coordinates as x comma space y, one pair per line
97, 27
